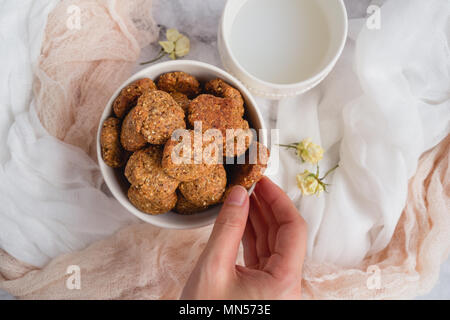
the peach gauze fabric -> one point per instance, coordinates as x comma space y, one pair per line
79, 69
144, 262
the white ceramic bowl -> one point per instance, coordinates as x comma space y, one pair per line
115, 178
336, 18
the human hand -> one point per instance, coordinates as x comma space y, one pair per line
274, 241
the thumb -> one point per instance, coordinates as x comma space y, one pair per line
223, 244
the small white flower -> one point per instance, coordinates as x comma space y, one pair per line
177, 45
309, 183
182, 46
309, 151
173, 35
306, 150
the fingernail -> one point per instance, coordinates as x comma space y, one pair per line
237, 196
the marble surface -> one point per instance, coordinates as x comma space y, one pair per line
198, 19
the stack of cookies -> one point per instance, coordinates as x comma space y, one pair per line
153, 139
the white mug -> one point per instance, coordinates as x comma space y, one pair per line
281, 48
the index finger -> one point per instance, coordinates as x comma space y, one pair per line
281, 205
290, 243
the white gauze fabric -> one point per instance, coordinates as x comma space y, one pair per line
50, 191
385, 103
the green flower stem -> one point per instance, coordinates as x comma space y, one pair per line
161, 54
292, 145
329, 171
320, 180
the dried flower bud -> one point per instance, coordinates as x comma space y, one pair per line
176, 46
309, 183
309, 151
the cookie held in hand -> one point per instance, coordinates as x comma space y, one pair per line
252, 170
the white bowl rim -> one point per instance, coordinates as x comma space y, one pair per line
308, 81
176, 65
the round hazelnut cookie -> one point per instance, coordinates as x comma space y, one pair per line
182, 100
153, 120
127, 98
164, 116
112, 152
144, 202
130, 135
185, 159
184, 207
144, 169
252, 170
220, 88
206, 190
179, 81
239, 141
220, 113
